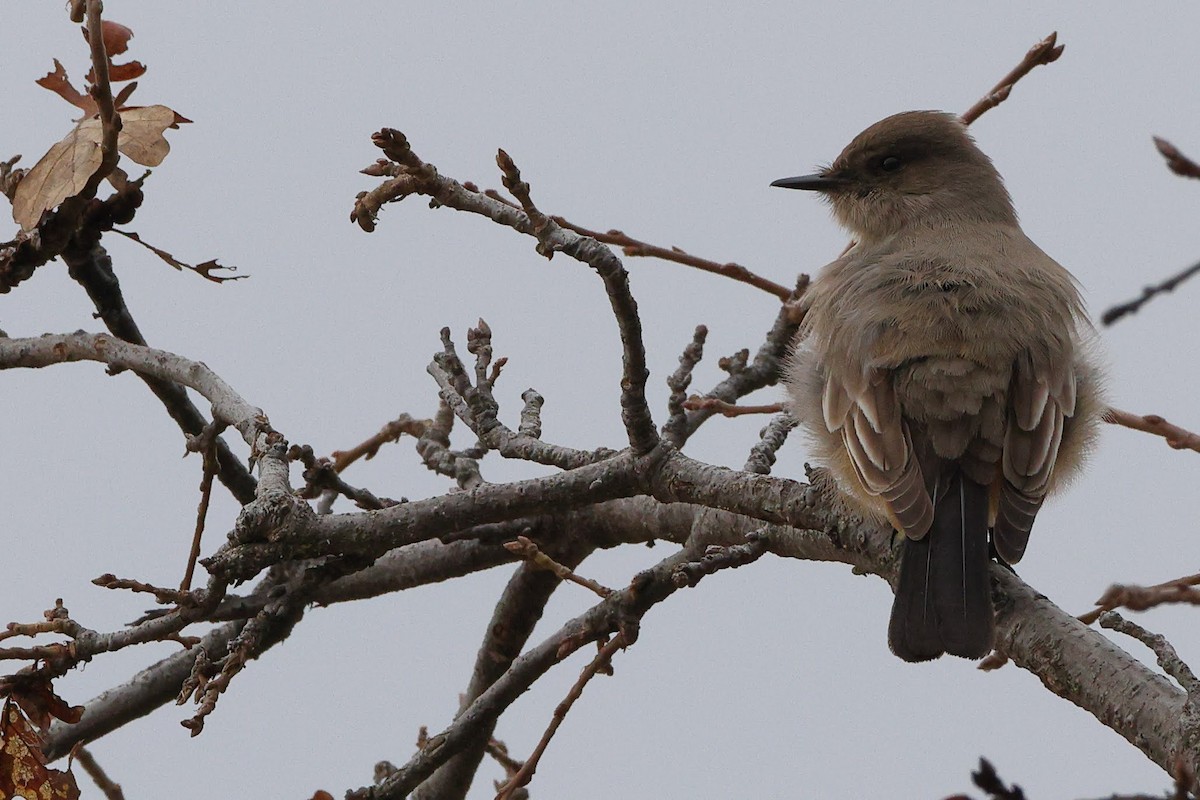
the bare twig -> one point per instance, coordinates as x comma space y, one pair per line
987, 779
321, 479
295, 589
209, 464
730, 409
1044, 52
421, 178
1164, 651
634, 247
675, 429
207, 269
528, 550
763, 370
598, 664
771, 438
718, 557
1143, 598
1148, 293
390, 432
179, 597
434, 448
531, 414
635, 412
514, 618
477, 407
499, 751
1177, 162
619, 613
1177, 437
112, 790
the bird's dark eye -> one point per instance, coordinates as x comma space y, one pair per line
890, 164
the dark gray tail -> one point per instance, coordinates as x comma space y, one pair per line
943, 599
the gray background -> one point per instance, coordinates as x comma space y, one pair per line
665, 120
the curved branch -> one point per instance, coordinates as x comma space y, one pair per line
51, 349
418, 177
92, 268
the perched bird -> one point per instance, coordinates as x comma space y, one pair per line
942, 370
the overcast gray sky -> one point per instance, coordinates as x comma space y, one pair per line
667, 120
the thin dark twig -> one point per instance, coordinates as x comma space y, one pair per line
499, 751
987, 779
1133, 306
209, 461
635, 247
111, 790
514, 618
1177, 162
1046, 51
321, 479
598, 664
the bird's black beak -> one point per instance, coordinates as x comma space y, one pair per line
812, 183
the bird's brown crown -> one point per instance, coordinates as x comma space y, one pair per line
916, 167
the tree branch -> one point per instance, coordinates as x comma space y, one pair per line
634, 247
1177, 437
1046, 51
1177, 162
1120, 310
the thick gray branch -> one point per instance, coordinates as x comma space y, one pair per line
51, 349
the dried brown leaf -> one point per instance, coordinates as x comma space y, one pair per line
116, 37
141, 135
126, 72
116, 41
204, 270
23, 770
66, 168
61, 173
58, 82
35, 694
122, 98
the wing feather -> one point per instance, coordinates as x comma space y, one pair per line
1040, 400
881, 450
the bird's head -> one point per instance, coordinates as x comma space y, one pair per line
913, 168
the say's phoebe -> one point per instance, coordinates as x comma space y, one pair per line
941, 369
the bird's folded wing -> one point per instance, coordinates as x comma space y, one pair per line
867, 412
1040, 400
